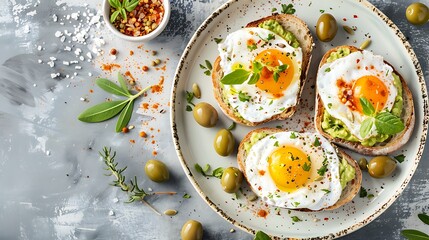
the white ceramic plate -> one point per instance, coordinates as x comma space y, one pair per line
194, 144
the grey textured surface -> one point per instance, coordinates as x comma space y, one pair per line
51, 178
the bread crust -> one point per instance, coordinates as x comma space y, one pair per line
300, 29
392, 144
348, 193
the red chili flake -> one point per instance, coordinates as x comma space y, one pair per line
261, 172
262, 213
357, 60
128, 74
91, 91
154, 153
142, 134
132, 141
259, 188
355, 16
108, 67
155, 106
145, 105
145, 68
158, 88
125, 130
326, 219
344, 19
131, 53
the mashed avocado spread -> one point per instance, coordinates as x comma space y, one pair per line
275, 27
347, 172
336, 128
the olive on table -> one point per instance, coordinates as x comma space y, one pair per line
192, 230
224, 142
381, 166
417, 13
231, 179
157, 171
326, 27
205, 114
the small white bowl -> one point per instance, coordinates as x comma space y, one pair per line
147, 37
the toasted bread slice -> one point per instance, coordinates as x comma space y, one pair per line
390, 145
348, 193
290, 23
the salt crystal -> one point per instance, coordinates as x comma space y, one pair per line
149, 189
78, 67
55, 75
111, 213
39, 61
58, 34
51, 64
113, 57
81, 58
115, 200
54, 18
26, 29
34, 85
75, 16
48, 153
67, 48
52, 58
77, 51
39, 48
90, 74
66, 63
82, 99
63, 38
89, 55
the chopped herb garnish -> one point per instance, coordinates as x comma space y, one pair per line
363, 193
327, 69
276, 144
261, 236
288, 9
296, 204
322, 170
370, 196
321, 11
273, 137
282, 109
293, 135
186, 196
216, 173
218, 40
296, 219
400, 158
274, 9
326, 191
243, 96
232, 126
316, 142
271, 102
252, 47
188, 108
306, 167
208, 67
329, 105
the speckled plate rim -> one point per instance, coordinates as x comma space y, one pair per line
378, 212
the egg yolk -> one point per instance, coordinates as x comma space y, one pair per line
274, 58
371, 88
286, 168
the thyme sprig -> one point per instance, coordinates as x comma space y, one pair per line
135, 193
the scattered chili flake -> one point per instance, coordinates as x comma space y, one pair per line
125, 130
155, 106
132, 141
153, 141
91, 91
145, 105
154, 153
344, 19
158, 88
326, 219
262, 213
113, 51
261, 172
108, 67
131, 53
142, 134
145, 18
145, 68
355, 16
128, 74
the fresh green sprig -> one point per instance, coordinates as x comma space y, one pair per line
412, 234
122, 8
288, 9
135, 193
217, 173
385, 122
207, 68
239, 76
107, 110
261, 236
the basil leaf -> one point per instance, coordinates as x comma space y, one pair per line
254, 78
261, 236
125, 116
257, 67
102, 112
238, 76
424, 218
387, 123
123, 84
111, 87
367, 107
114, 16
366, 127
414, 234
282, 68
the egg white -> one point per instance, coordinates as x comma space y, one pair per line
346, 68
262, 105
312, 196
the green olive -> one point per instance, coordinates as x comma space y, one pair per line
192, 230
417, 13
224, 142
205, 114
363, 163
326, 27
381, 166
231, 179
157, 171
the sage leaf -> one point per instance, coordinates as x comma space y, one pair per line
102, 112
387, 123
111, 87
123, 84
366, 127
414, 234
238, 76
367, 107
261, 236
424, 218
125, 116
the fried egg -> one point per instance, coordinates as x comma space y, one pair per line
344, 81
268, 97
294, 170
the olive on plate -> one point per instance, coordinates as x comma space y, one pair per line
381, 166
205, 114
231, 179
326, 27
224, 142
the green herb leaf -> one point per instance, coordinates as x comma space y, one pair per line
366, 127
370, 196
322, 170
232, 127
327, 69
189, 97
206, 168
363, 193
414, 234
207, 72
209, 65
257, 66
114, 3
270, 37
218, 172
199, 169
237, 76
124, 14
242, 96
400, 158
123, 84
293, 135
252, 47
261, 236
188, 108
273, 9
131, 5
316, 142
114, 16
306, 167
125, 116
288, 9
202, 66
296, 219
326, 191
276, 144
111, 87
367, 107
218, 40
186, 196
321, 11
424, 218
387, 123
102, 112
254, 78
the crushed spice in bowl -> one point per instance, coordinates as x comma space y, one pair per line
136, 20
